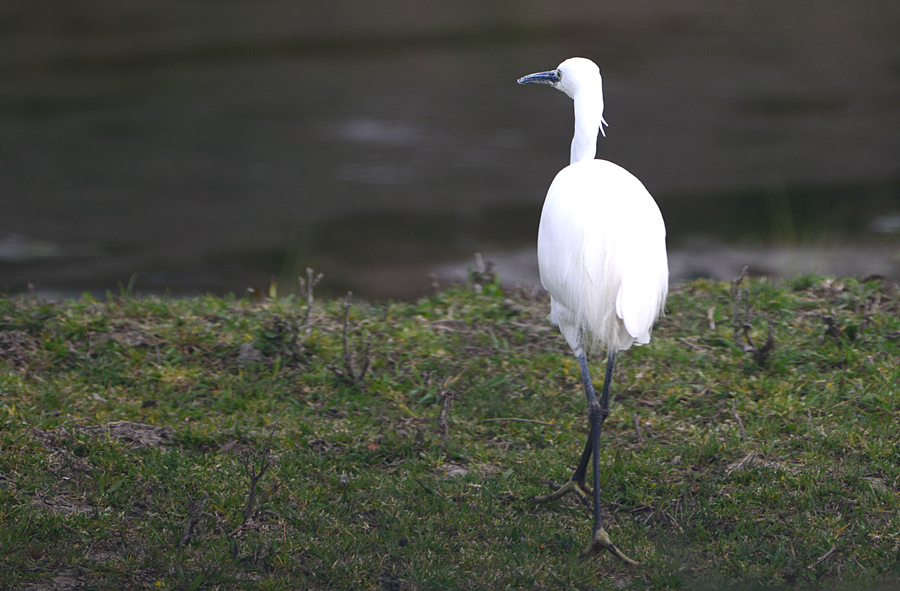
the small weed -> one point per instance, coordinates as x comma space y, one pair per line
351, 372
742, 327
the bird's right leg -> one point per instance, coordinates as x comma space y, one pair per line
598, 411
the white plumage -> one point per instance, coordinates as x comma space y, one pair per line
602, 257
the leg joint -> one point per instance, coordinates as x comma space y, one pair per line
596, 413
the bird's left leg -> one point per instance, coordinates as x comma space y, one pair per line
576, 483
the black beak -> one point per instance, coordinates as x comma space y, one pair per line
551, 77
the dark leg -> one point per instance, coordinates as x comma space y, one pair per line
576, 483
598, 410
597, 413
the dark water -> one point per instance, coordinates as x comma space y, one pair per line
210, 146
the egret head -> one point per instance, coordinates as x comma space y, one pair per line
572, 76
579, 78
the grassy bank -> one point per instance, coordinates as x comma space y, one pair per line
222, 443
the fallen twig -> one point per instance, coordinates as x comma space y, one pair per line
519, 420
694, 346
821, 559
742, 464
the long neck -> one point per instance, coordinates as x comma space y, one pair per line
588, 119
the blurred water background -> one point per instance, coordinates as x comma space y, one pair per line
192, 146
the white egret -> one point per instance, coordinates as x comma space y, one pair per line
602, 257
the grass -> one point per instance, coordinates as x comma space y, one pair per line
381, 440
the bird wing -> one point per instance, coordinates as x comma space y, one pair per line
641, 298
645, 271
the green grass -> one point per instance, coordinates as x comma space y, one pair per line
718, 471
